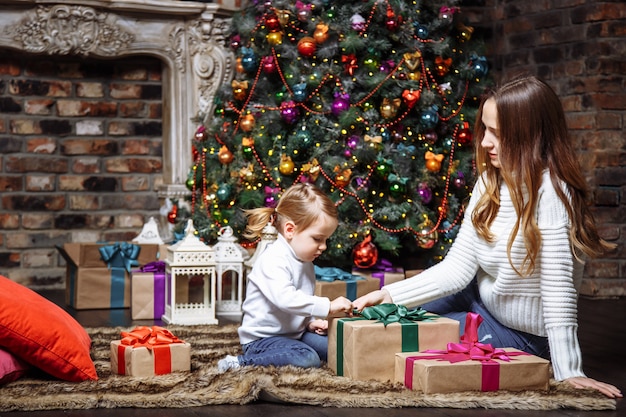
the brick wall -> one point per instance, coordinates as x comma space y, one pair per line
81, 157
579, 48
81, 140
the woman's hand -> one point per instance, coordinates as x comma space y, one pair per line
372, 298
318, 326
606, 389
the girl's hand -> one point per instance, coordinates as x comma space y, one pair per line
340, 305
371, 299
606, 389
318, 326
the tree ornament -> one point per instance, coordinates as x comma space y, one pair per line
286, 166
465, 32
321, 33
425, 193
446, 13
412, 60
352, 142
431, 137
389, 107
272, 23
365, 254
303, 11
342, 177
411, 97
340, 104
223, 192
283, 16
430, 117
239, 67
274, 38
299, 92
289, 112
225, 156
421, 31
433, 161
248, 59
307, 46
414, 76
375, 142
349, 63
442, 66
240, 89
397, 185
247, 143
201, 134
195, 155
171, 216
383, 167
464, 135
357, 22
247, 122
459, 181
479, 66
246, 174
393, 21
271, 196
303, 137
268, 64
312, 169
371, 62
427, 236
235, 42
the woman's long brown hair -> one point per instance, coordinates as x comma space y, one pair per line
533, 136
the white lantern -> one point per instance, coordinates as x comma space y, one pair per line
193, 262
268, 235
229, 260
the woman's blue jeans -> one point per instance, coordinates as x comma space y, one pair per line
456, 306
308, 352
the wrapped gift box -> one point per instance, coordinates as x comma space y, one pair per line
410, 273
365, 349
334, 282
147, 296
383, 271
438, 375
92, 282
149, 351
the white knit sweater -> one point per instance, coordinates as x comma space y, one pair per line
543, 304
279, 295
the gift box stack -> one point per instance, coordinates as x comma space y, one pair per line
383, 271
334, 282
149, 351
364, 347
98, 274
471, 366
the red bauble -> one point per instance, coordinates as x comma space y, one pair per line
464, 136
365, 254
307, 46
171, 216
272, 23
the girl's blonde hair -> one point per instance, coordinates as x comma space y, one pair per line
533, 136
301, 203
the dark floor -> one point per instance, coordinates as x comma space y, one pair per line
602, 336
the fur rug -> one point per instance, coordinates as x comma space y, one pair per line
205, 386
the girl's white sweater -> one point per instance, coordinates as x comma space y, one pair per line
544, 303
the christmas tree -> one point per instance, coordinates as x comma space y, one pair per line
373, 101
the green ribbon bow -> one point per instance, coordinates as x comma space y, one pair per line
388, 313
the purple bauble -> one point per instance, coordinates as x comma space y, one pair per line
425, 193
340, 104
289, 112
352, 142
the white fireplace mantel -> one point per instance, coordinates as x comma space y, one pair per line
188, 37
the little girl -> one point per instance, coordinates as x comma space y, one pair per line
280, 325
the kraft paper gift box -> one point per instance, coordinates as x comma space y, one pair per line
147, 291
149, 351
471, 366
334, 282
98, 274
518, 372
365, 349
383, 271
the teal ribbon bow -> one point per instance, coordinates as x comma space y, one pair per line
388, 313
120, 255
331, 274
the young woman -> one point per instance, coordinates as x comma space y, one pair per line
280, 324
518, 256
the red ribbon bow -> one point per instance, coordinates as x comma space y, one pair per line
149, 337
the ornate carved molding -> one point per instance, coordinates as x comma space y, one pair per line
188, 37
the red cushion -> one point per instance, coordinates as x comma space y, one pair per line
11, 367
43, 334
